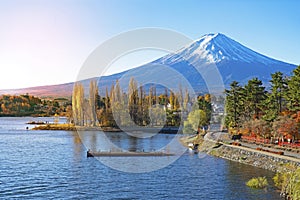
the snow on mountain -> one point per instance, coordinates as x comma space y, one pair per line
233, 60
215, 48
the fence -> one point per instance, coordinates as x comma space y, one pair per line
295, 144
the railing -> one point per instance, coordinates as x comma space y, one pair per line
294, 145
268, 141
254, 139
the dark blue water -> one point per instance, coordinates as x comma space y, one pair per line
53, 165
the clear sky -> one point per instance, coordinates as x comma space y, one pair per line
45, 42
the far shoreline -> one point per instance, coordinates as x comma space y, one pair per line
72, 127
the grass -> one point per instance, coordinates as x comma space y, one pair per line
288, 181
67, 127
214, 152
258, 183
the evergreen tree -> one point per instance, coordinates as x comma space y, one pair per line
255, 95
204, 103
274, 102
293, 94
233, 105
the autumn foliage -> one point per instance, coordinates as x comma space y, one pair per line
273, 114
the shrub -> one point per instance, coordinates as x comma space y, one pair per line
258, 183
289, 182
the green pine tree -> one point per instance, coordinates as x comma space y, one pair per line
233, 105
293, 94
275, 102
255, 96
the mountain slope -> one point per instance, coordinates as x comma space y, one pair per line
61, 90
233, 60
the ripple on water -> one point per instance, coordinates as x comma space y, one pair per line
53, 165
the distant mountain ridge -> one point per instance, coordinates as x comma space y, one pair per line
60, 90
233, 60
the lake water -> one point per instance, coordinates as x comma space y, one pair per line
53, 165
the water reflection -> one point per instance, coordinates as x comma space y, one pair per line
77, 144
53, 165
120, 141
133, 144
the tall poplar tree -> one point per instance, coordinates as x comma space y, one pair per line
133, 99
92, 102
78, 104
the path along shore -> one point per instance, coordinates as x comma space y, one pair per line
218, 144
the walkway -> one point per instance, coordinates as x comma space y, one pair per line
217, 136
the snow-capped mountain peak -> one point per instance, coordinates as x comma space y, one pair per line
216, 48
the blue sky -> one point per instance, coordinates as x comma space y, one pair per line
46, 41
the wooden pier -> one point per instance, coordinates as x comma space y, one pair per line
127, 154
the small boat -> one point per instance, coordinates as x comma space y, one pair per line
126, 154
193, 148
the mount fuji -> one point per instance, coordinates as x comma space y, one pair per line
233, 61
217, 48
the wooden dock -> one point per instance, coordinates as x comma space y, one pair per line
127, 154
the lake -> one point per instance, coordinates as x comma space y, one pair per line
53, 165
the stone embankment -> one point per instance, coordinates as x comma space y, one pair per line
265, 160
214, 144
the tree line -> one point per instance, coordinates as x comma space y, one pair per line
274, 113
28, 105
116, 108
136, 106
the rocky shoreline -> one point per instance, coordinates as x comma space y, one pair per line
254, 158
245, 155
